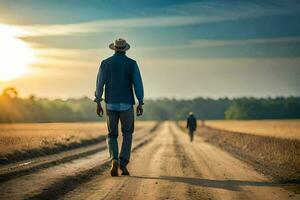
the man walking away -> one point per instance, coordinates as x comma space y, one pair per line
120, 75
191, 125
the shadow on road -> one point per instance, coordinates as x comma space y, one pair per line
233, 185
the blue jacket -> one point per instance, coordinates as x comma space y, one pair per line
191, 123
120, 75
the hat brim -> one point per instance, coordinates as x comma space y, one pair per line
113, 47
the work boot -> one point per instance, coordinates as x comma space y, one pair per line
114, 168
124, 170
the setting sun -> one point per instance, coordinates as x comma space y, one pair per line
16, 55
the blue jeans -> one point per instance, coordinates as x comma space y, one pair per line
127, 126
191, 134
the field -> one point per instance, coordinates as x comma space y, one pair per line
275, 128
270, 146
22, 137
163, 159
29, 140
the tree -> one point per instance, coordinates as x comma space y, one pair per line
10, 92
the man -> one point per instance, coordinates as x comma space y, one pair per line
191, 125
119, 74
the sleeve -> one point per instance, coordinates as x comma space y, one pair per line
100, 84
138, 85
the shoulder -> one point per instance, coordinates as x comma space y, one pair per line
131, 60
106, 61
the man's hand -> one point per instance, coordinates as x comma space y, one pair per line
99, 110
139, 110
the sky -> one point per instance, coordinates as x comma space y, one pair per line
184, 48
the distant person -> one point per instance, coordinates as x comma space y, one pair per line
191, 124
120, 74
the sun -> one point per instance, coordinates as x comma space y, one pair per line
15, 56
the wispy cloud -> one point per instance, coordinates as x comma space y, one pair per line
237, 9
93, 54
102, 26
196, 43
204, 43
177, 15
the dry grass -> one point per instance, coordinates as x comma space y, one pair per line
275, 128
16, 140
20, 137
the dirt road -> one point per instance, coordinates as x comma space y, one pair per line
164, 165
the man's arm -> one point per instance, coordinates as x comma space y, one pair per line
138, 89
99, 89
138, 85
187, 123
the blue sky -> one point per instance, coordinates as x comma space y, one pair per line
191, 48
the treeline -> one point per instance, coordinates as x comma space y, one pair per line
164, 109
276, 108
224, 108
32, 109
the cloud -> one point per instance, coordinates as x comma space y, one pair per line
204, 43
88, 57
102, 26
176, 15
181, 15
237, 9
196, 43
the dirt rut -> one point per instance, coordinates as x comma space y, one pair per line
170, 167
164, 166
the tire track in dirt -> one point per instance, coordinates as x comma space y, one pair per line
71, 182
170, 167
59, 179
227, 177
155, 170
107, 187
15, 170
32, 166
191, 171
164, 165
146, 184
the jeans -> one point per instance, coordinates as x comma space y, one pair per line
191, 134
127, 126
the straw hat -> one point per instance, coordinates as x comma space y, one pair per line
119, 45
191, 113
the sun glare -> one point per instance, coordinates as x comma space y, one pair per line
15, 56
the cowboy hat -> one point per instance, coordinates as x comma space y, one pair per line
119, 45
